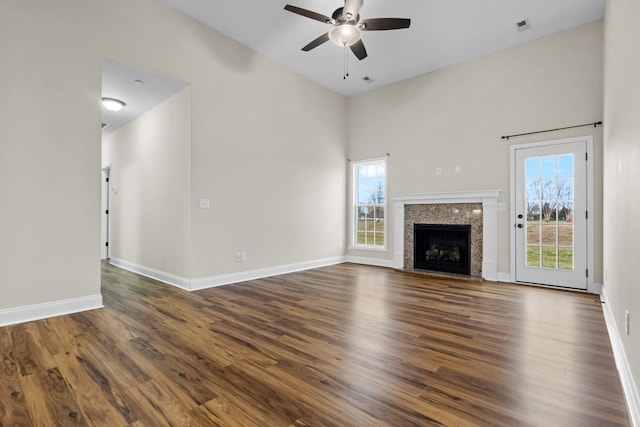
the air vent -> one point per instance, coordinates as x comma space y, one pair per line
523, 25
104, 125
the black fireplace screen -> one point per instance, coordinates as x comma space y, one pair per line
445, 248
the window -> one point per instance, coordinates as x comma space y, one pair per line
369, 201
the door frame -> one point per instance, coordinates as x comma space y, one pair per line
105, 220
588, 139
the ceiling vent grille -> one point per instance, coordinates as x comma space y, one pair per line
523, 25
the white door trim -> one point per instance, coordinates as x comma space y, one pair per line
590, 197
105, 220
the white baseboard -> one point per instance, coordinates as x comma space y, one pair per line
629, 386
378, 262
243, 276
221, 279
160, 276
29, 313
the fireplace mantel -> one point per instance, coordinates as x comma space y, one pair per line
489, 200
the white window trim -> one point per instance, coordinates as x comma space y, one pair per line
352, 228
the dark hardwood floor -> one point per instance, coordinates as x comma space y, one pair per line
346, 345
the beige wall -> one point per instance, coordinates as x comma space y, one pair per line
49, 158
268, 147
622, 173
150, 160
269, 151
456, 117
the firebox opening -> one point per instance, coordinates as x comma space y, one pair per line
445, 248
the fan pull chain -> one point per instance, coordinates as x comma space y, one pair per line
345, 71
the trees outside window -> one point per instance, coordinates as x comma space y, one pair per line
369, 204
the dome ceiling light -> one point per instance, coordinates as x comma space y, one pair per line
112, 104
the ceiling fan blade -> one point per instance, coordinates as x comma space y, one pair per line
358, 50
379, 24
317, 42
308, 14
351, 7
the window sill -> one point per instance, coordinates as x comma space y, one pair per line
369, 248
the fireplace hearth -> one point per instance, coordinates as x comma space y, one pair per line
442, 247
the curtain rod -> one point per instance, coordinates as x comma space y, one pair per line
594, 124
387, 154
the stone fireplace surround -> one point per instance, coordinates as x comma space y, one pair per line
486, 199
445, 214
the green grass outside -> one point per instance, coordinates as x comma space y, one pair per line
371, 232
545, 256
548, 240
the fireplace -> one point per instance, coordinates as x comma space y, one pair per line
478, 208
442, 247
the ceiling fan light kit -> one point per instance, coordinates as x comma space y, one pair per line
344, 35
347, 26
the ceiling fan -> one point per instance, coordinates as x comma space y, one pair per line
347, 26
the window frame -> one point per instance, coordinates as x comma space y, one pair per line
354, 205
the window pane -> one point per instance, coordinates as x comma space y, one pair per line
565, 189
532, 168
565, 235
370, 238
362, 212
533, 256
533, 233
565, 258
549, 234
533, 189
368, 225
360, 238
549, 256
549, 167
533, 211
549, 189
565, 165
369, 201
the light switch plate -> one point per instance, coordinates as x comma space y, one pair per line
204, 203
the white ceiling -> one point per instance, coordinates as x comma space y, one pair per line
138, 88
442, 33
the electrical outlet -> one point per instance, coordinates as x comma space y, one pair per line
626, 322
238, 256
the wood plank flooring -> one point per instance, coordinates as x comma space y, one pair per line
345, 345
